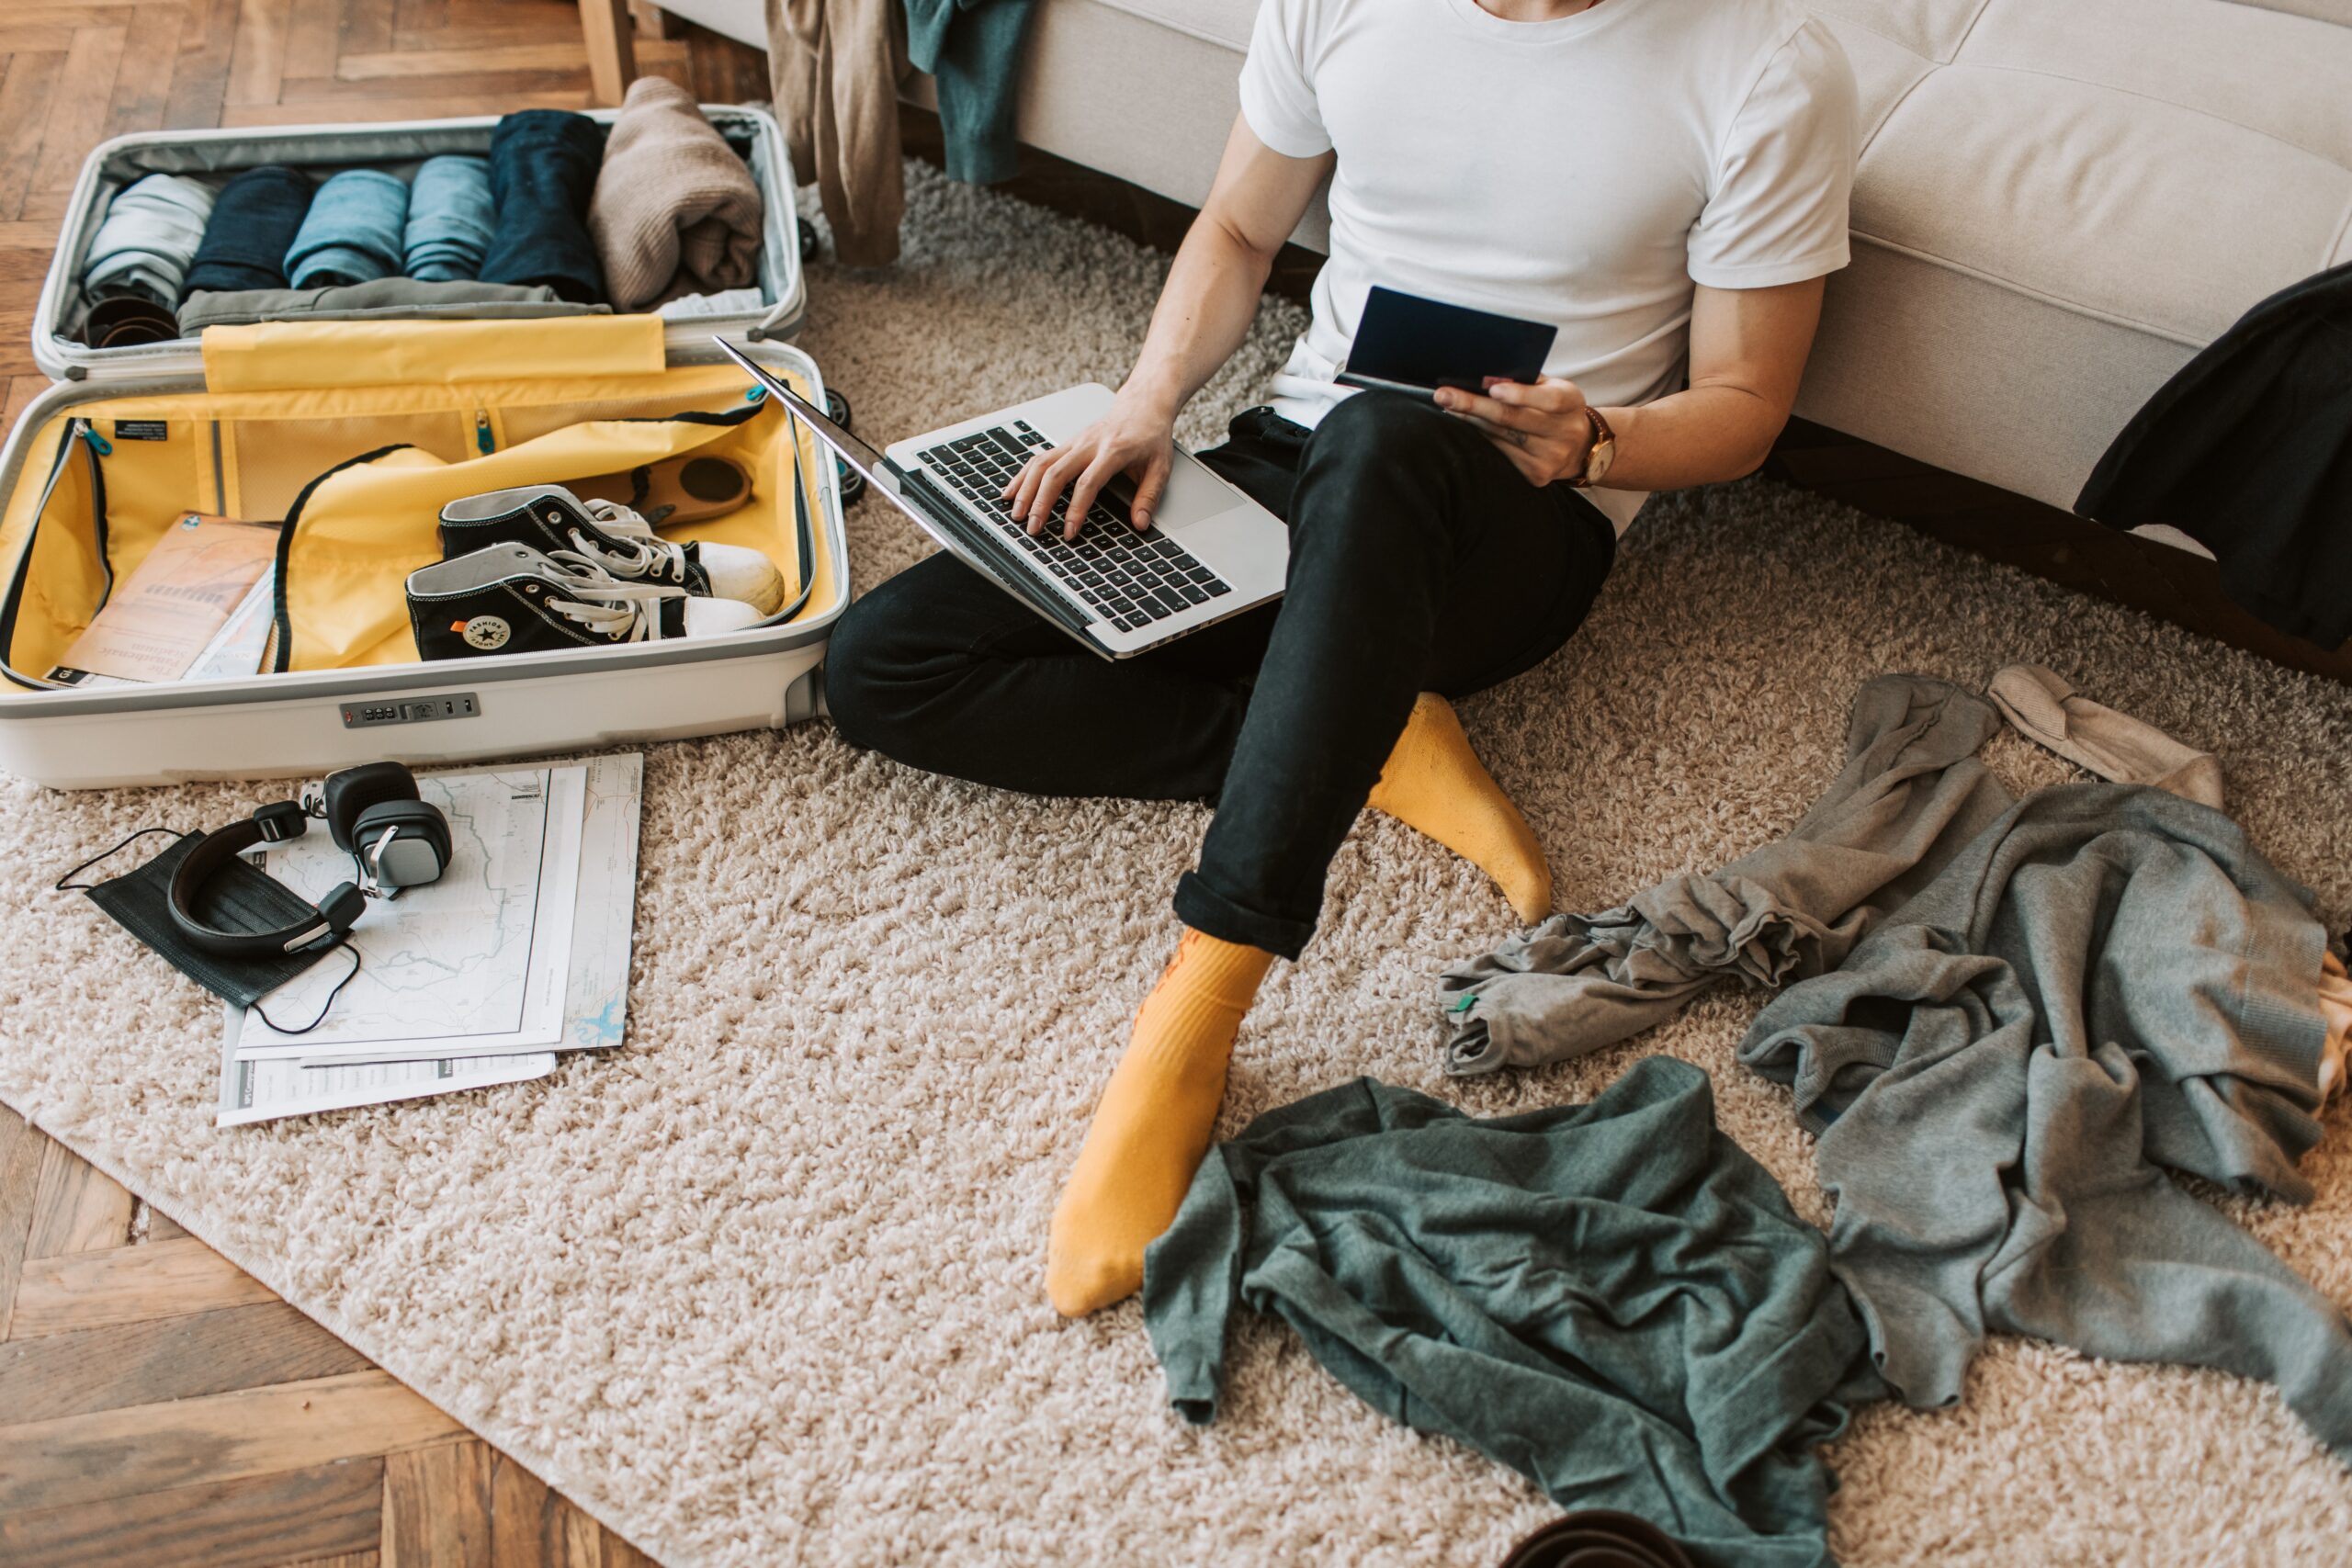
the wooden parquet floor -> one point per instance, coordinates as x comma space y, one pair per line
159, 1408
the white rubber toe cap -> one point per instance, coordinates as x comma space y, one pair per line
745, 574
716, 617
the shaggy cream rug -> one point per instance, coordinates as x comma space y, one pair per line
765, 1289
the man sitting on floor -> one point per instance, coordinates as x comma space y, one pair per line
1666, 182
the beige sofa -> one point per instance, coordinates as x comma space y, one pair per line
2058, 200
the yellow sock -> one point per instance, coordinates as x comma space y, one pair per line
1152, 1126
1434, 783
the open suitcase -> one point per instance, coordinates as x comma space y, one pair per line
355, 432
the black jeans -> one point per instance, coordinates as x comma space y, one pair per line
1421, 560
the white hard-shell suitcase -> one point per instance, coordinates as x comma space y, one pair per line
311, 720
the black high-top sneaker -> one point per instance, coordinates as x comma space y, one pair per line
513, 599
613, 538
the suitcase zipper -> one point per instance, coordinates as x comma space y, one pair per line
278, 653
24, 566
98, 446
485, 442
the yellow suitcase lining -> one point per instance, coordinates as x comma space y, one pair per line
297, 423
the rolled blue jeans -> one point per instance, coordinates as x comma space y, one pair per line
449, 219
355, 231
543, 166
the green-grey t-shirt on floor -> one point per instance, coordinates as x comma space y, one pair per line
1612, 1299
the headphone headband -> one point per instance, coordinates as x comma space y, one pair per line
326, 921
372, 811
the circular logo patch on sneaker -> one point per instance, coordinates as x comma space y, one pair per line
487, 632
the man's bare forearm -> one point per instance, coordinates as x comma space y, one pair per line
1220, 270
1703, 435
1747, 350
1203, 313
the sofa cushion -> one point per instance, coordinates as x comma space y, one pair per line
1226, 22
2160, 164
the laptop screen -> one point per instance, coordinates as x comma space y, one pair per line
838, 437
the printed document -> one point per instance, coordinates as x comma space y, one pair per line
601, 905
473, 964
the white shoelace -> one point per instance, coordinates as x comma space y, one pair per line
647, 555
629, 612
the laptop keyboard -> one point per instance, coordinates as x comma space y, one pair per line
1128, 579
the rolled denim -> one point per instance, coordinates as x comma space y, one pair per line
449, 219
543, 166
353, 233
253, 223
150, 235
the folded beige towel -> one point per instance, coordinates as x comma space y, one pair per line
675, 210
2042, 707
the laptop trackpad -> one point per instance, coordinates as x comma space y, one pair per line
1194, 495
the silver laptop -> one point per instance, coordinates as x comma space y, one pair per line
1211, 551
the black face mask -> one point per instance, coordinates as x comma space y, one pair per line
239, 897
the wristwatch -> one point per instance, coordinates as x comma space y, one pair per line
1600, 455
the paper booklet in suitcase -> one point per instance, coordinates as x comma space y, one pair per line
345, 438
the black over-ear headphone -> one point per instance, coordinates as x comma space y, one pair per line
396, 839
375, 816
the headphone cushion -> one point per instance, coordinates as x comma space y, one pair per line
351, 793
342, 906
414, 818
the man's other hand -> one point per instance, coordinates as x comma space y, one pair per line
1541, 426
1137, 438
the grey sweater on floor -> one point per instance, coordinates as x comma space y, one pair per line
2107, 984
1911, 794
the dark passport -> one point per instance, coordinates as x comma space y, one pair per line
1406, 344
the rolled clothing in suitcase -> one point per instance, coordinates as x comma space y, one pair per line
353, 435
210, 158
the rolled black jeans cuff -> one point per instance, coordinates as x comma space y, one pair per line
1211, 913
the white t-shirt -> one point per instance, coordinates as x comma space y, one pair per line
1584, 171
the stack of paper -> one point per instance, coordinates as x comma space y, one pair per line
520, 951
198, 608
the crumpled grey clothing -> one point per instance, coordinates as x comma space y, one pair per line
1613, 1299
1911, 794
2109, 983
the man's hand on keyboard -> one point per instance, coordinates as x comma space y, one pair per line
1136, 439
